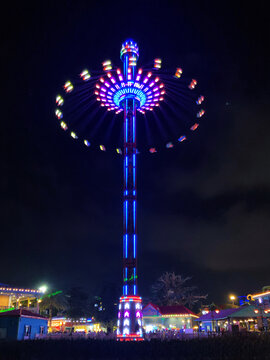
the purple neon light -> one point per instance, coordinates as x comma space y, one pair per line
129, 81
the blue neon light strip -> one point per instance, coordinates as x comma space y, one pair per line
126, 132
126, 213
134, 246
133, 126
134, 290
131, 90
126, 245
134, 215
134, 176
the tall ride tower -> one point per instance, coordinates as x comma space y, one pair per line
130, 314
128, 91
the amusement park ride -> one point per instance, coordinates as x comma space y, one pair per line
129, 91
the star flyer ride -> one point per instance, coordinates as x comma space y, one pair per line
127, 91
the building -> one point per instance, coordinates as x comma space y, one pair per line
243, 318
176, 317
14, 298
21, 324
63, 324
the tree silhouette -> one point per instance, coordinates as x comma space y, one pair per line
53, 303
171, 289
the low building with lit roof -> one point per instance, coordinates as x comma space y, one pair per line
243, 318
15, 297
176, 317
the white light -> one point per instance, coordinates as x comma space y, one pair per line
126, 322
126, 331
126, 305
138, 306
43, 288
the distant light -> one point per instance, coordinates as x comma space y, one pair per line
58, 114
85, 75
169, 145
182, 138
73, 134
178, 73
200, 113
64, 125
102, 147
192, 84
200, 100
194, 127
43, 288
87, 143
68, 86
232, 297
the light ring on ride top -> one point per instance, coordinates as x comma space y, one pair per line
131, 91
148, 91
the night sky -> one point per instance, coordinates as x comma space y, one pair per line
203, 208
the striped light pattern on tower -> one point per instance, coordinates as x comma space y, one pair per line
129, 90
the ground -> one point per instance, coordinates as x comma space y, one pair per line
232, 347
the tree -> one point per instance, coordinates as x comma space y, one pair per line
171, 289
78, 304
53, 303
105, 305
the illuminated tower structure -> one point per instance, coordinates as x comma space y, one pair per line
130, 314
130, 90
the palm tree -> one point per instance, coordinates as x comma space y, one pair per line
171, 289
51, 302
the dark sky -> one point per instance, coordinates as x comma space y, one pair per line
203, 208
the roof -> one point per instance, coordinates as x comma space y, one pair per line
170, 310
212, 315
23, 313
245, 311
152, 305
248, 311
175, 310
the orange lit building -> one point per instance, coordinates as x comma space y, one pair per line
63, 324
14, 298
